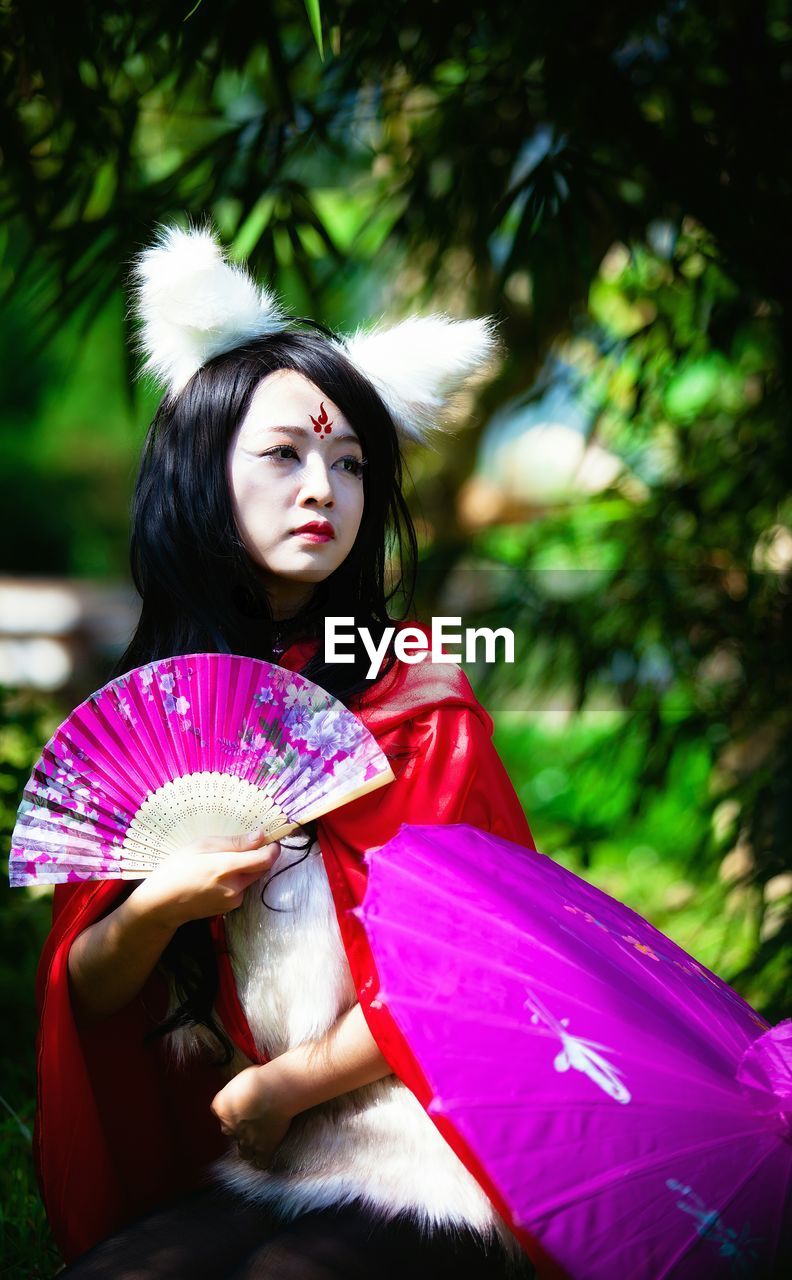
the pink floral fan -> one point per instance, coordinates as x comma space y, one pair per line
190, 746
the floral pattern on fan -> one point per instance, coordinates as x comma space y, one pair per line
195, 744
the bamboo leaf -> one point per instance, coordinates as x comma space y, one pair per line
315, 19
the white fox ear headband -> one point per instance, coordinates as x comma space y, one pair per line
193, 304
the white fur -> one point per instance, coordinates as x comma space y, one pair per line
376, 1144
419, 364
193, 304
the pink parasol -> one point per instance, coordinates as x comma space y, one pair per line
630, 1114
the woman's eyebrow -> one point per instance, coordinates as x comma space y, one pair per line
303, 431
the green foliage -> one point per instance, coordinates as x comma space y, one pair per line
68, 446
315, 19
485, 130
26, 1247
664, 601
590, 811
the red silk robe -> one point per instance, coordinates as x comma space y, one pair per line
119, 1127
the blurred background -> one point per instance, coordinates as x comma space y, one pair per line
609, 182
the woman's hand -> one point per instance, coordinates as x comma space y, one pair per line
208, 879
258, 1105
254, 1112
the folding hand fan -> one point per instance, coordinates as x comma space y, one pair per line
190, 746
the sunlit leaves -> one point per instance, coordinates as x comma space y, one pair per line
315, 19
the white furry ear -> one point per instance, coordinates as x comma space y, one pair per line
418, 364
193, 304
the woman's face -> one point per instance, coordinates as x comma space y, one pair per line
295, 461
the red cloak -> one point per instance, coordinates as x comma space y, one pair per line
119, 1128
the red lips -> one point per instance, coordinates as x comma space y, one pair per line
321, 527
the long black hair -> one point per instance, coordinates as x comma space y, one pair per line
200, 590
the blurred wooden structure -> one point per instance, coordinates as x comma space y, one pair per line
62, 635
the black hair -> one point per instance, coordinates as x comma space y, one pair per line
200, 590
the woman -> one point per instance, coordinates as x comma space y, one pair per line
269, 491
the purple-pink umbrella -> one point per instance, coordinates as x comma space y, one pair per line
630, 1113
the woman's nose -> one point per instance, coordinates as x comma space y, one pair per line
317, 484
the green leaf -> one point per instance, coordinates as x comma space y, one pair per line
694, 388
315, 19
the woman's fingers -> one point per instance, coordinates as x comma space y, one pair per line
244, 853
247, 840
247, 865
207, 878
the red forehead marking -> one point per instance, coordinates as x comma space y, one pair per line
322, 425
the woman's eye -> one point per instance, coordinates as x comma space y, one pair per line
280, 450
354, 466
